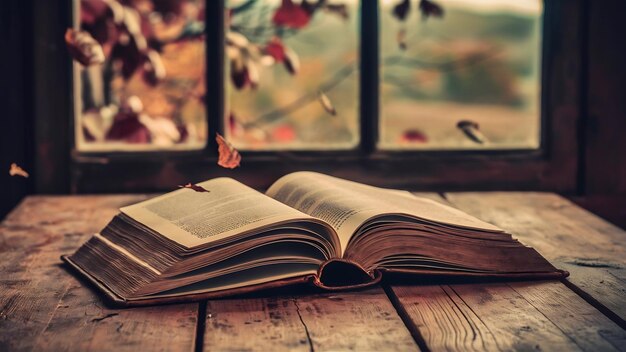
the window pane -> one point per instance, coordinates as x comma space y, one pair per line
467, 80
291, 74
148, 94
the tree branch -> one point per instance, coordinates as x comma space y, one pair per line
304, 100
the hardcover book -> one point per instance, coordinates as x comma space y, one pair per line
222, 238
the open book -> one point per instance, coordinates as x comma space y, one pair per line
308, 228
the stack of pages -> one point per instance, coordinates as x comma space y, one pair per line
308, 228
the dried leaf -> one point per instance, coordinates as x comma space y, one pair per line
291, 61
291, 15
471, 130
430, 8
83, 48
402, 9
238, 74
229, 157
15, 170
414, 136
401, 39
340, 10
194, 187
326, 103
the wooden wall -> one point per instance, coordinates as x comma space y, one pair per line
603, 131
16, 117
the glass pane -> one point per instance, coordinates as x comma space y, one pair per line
148, 94
467, 80
291, 74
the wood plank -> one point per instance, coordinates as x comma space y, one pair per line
585, 325
363, 320
499, 316
42, 305
593, 250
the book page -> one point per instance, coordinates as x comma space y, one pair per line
346, 205
193, 218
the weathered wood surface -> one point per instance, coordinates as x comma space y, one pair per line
591, 249
356, 321
43, 307
500, 316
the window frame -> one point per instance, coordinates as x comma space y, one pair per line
552, 167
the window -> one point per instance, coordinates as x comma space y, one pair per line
479, 64
473, 100
148, 94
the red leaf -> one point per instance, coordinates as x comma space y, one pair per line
126, 124
414, 136
15, 170
291, 15
284, 134
194, 187
229, 157
275, 49
430, 8
128, 53
83, 47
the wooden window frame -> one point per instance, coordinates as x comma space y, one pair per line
552, 167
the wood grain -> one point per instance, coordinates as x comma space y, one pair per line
363, 320
593, 250
43, 307
500, 316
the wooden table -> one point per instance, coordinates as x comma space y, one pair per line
43, 307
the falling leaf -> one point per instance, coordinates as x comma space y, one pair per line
15, 170
401, 10
229, 157
340, 10
83, 48
194, 187
291, 61
430, 8
326, 103
290, 15
471, 130
401, 38
414, 136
